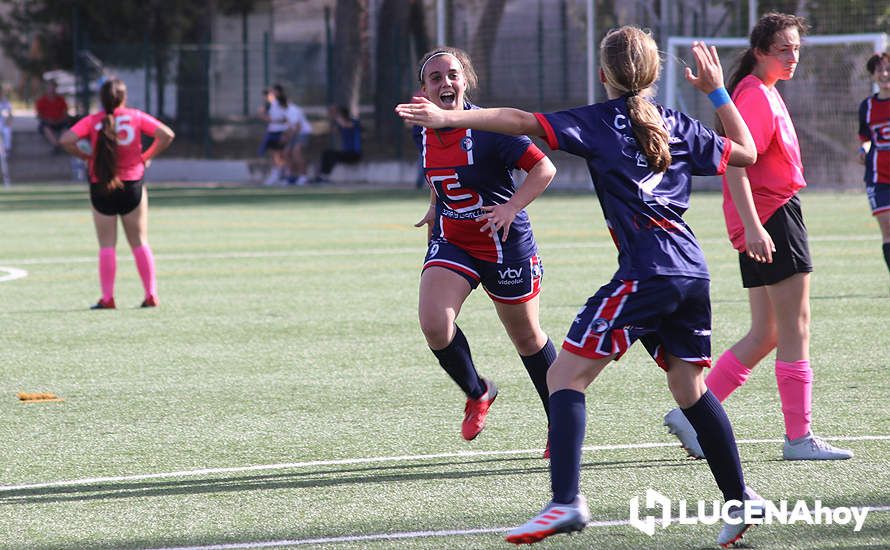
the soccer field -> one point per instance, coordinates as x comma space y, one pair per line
282, 394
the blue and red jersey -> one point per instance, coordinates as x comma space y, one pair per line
468, 169
643, 209
874, 126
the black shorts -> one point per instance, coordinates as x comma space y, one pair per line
118, 202
792, 255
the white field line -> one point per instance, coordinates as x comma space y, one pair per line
12, 274
373, 460
358, 252
405, 535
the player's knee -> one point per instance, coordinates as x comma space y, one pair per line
437, 329
528, 342
763, 338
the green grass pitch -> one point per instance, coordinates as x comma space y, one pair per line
282, 394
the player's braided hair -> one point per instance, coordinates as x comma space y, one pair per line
112, 95
462, 57
631, 64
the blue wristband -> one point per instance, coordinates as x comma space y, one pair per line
719, 97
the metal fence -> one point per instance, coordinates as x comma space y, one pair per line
532, 54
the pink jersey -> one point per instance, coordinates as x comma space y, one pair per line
778, 173
131, 125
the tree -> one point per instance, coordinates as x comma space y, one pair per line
391, 62
484, 40
350, 51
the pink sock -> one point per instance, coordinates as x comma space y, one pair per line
107, 270
728, 374
145, 263
795, 381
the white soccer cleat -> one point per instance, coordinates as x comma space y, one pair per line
554, 519
679, 426
810, 447
731, 533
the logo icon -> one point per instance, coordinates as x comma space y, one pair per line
653, 499
467, 143
600, 326
434, 249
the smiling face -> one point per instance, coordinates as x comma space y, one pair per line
881, 77
444, 82
780, 61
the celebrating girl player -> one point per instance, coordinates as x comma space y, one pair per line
874, 134
766, 226
641, 157
117, 165
478, 232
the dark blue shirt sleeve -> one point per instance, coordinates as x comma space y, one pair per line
706, 151
511, 148
864, 130
573, 131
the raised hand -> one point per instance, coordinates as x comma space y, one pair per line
710, 71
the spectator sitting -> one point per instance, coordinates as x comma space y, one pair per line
52, 114
350, 140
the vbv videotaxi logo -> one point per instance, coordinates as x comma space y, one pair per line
761, 512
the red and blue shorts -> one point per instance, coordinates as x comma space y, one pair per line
669, 315
508, 282
878, 197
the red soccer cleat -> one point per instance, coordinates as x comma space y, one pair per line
476, 410
151, 301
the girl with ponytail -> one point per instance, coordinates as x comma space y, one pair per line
641, 157
116, 168
766, 226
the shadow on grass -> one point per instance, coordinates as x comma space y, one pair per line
330, 478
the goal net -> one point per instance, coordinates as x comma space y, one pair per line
823, 97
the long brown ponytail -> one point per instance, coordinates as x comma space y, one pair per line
629, 59
112, 95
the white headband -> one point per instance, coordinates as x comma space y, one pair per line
437, 54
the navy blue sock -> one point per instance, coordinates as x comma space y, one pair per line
887, 254
457, 361
568, 420
537, 366
718, 443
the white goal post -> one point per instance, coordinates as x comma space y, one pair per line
823, 97
880, 42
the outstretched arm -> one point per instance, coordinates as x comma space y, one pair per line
710, 80
504, 120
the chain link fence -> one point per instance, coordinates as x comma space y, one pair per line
531, 54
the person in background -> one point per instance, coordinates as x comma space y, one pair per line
5, 119
766, 226
275, 112
874, 151
350, 130
297, 137
52, 115
116, 168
